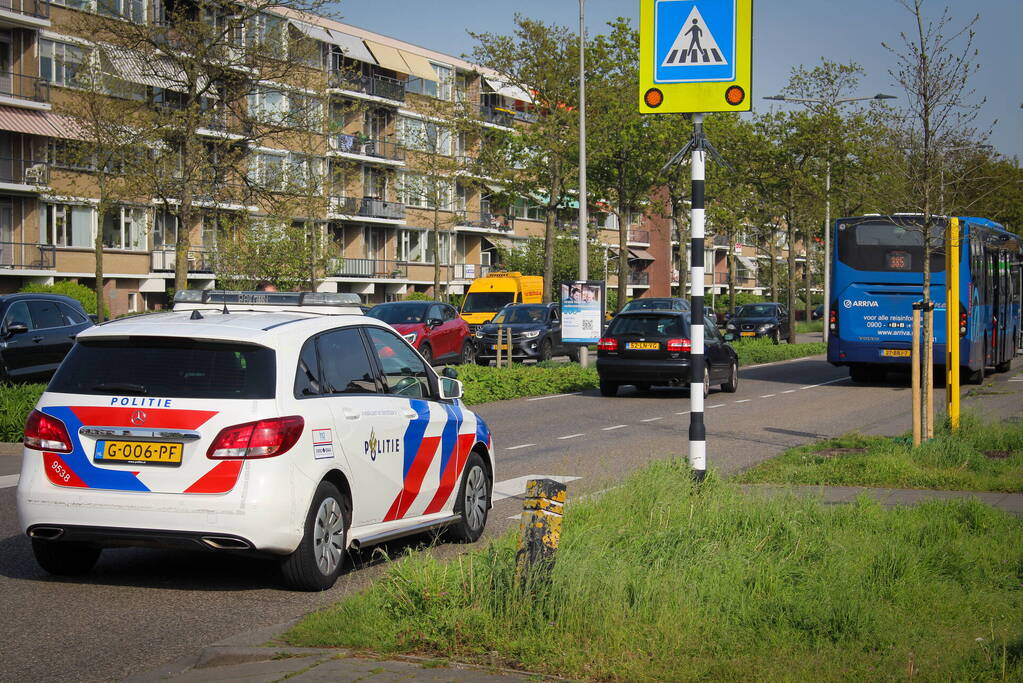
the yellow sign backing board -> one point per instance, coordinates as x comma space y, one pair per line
695, 56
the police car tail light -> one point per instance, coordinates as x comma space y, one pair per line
607, 344
45, 433
259, 439
677, 345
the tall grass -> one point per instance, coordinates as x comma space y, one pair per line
657, 580
981, 456
16, 402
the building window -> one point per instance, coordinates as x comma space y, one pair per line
268, 105
523, 208
306, 111
304, 174
133, 302
65, 225
59, 63
125, 228
129, 10
267, 171
418, 191
440, 88
423, 136
415, 246
165, 230
268, 33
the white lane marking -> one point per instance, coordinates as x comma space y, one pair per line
517, 486
523, 445
717, 405
9, 480
608, 429
652, 419
1016, 380
684, 412
779, 362
745, 400
768, 395
544, 398
569, 436
830, 381
790, 391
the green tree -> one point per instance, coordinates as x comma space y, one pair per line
529, 258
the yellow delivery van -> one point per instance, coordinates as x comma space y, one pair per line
487, 295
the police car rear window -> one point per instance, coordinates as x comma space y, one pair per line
168, 367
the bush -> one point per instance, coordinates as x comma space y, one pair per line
756, 351
16, 402
418, 296
486, 384
85, 295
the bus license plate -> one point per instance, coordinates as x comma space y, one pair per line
645, 346
138, 452
897, 353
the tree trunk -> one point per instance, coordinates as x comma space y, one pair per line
436, 250
98, 245
730, 263
807, 277
623, 257
548, 255
683, 246
772, 250
791, 302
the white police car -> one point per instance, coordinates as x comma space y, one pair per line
249, 422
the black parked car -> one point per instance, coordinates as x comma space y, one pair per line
535, 334
662, 303
646, 348
37, 332
769, 320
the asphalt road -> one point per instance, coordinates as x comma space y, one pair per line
142, 608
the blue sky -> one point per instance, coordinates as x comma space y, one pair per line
786, 33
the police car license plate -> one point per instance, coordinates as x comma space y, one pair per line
748, 334
145, 452
898, 353
647, 346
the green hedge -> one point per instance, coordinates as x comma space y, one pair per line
16, 402
486, 384
83, 294
758, 351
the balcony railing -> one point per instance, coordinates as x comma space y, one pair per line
368, 267
369, 207
469, 271
163, 260
27, 256
378, 86
32, 8
485, 220
743, 278
642, 236
368, 147
639, 278
23, 172
25, 87
527, 116
496, 115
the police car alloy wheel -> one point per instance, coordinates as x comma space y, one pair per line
316, 563
65, 558
473, 502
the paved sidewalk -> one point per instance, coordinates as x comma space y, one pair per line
248, 657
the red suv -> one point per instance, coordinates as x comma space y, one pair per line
432, 327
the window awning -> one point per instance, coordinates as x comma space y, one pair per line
157, 72
747, 261
35, 122
351, 46
507, 89
419, 65
640, 255
388, 57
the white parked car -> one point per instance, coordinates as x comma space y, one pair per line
276, 425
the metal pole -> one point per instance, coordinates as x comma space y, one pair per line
584, 271
697, 430
827, 250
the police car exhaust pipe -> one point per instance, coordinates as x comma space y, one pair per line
225, 543
46, 533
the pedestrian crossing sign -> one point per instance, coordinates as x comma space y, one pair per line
695, 56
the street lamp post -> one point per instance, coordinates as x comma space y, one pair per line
827, 194
583, 218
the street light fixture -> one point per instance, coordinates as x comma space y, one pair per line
827, 192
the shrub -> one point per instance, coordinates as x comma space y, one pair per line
418, 296
85, 295
485, 384
757, 351
16, 402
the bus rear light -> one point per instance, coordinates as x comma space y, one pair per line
259, 439
46, 433
833, 317
962, 322
679, 345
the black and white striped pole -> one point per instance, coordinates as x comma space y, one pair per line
697, 430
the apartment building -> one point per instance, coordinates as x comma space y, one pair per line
379, 95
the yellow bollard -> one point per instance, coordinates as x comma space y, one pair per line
542, 512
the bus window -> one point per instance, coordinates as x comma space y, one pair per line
889, 247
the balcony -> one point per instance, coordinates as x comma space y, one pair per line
343, 143
484, 220
469, 271
24, 87
638, 236
30, 12
368, 207
497, 115
377, 86
368, 268
23, 172
26, 256
163, 261
639, 278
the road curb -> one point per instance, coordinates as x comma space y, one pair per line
10, 448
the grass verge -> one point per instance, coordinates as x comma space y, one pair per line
658, 580
981, 457
756, 351
485, 384
804, 327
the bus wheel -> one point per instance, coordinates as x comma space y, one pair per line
860, 374
971, 376
1004, 367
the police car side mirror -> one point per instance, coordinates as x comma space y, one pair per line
450, 388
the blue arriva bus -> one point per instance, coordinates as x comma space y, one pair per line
878, 274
